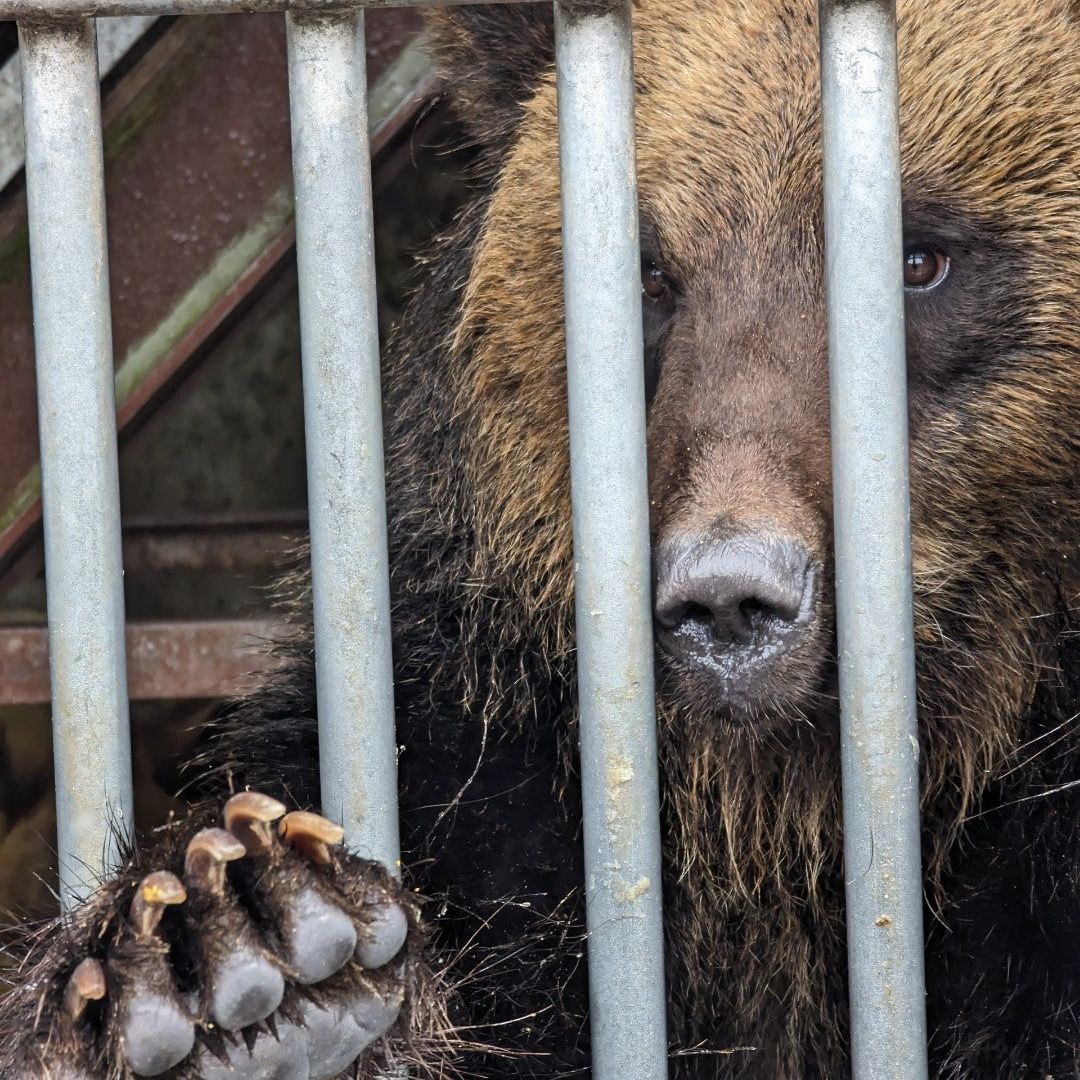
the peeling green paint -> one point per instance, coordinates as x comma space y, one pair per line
14, 254
126, 130
144, 356
26, 494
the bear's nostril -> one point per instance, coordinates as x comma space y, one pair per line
697, 613
752, 613
751, 607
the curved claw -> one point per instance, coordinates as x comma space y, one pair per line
248, 816
207, 855
87, 983
156, 891
312, 835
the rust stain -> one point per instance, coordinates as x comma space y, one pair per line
166, 660
628, 895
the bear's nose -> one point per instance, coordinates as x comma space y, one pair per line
733, 601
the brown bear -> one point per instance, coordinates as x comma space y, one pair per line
258, 968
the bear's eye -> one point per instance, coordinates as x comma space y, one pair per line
655, 284
659, 295
925, 267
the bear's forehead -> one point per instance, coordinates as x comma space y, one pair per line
728, 115
729, 105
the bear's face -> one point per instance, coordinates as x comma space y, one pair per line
728, 136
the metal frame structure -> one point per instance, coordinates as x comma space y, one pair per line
611, 534
605, 383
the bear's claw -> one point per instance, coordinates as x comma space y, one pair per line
87, 983
209, 852
270, 960
155, 893
248, 816
312, 835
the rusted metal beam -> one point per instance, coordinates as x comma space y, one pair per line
165, 660
247, 551
244, 543
75, 9
233, 544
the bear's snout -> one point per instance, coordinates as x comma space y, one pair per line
730, 603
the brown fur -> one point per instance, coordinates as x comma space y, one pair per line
729, 170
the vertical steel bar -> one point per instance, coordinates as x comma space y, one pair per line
77, 420
343, 421
879, 753
620, 784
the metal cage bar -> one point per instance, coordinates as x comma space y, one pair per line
77, 420
84, 9
339, 327
605, 372
868, 386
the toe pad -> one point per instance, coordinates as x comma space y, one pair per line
320, 938
385, 935
247, 988
334, 1039
156, 1034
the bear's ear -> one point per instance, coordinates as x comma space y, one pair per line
492, 57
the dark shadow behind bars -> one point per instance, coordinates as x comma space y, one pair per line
331, 164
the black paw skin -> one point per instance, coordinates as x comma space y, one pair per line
284, 1057
258, 951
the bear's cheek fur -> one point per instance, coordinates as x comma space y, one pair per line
982, 575
992, 486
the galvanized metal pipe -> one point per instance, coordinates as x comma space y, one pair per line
880, 761
605, 369
83, 9
343, 420
77, 420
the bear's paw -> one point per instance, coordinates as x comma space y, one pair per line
269, 952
